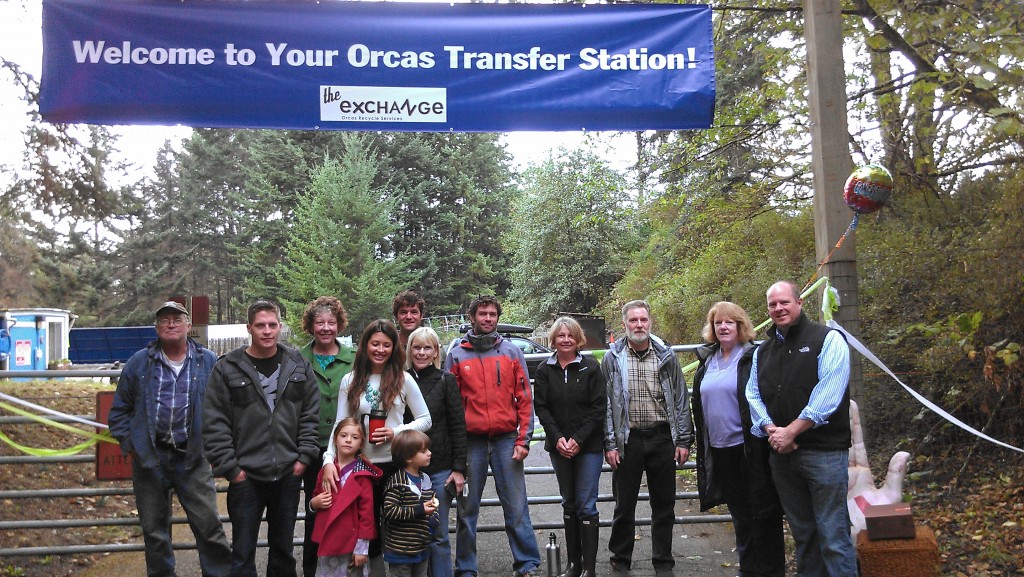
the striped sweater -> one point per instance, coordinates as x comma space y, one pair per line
407, 528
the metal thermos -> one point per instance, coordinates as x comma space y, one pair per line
554, 552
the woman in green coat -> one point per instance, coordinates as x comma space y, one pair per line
323, 320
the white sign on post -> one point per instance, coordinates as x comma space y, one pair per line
22, 353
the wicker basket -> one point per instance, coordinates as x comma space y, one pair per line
917, 557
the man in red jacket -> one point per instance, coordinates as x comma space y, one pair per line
495, 388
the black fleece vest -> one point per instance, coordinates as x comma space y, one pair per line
787, 372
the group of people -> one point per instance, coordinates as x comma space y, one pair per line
382, 439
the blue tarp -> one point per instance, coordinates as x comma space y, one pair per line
107, 344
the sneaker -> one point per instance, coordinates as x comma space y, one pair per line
529, 573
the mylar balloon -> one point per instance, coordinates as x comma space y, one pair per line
868, 188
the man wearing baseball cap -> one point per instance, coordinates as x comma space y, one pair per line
157, 417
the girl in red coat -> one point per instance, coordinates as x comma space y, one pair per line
344, 522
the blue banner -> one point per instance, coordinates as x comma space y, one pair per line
378, 66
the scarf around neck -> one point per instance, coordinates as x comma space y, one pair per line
482, 343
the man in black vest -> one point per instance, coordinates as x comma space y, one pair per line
799, 399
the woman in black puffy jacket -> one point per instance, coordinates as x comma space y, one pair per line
570, 400
447, 436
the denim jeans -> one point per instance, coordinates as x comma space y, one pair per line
812, 486
198, 497
440, 545
578, 478
409, 569
654, 452
510, 484
246, 502
376, 561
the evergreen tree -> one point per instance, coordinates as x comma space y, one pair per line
146, 270
337, 244
18, 263
279, 172
573, 233
211, 188
454, 195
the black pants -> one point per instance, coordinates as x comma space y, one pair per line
651, 451
309, 548
759, 540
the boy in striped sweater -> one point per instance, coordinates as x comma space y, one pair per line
409, 510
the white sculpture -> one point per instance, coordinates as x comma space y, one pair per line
862, 491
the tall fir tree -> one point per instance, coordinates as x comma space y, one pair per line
337, 245
574, 230
454, 195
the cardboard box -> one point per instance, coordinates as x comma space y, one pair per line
893, 521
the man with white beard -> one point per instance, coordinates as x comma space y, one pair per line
647, 428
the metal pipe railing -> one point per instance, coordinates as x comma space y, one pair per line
41, 524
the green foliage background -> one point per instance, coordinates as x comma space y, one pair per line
934, 94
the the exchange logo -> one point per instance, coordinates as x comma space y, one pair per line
383, 104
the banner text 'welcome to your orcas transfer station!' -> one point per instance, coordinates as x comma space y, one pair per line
378, 66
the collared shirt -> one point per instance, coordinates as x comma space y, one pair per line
172, 398
646, 398
833, 374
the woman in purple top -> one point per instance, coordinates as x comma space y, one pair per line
732, 464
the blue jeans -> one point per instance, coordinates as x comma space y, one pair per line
578, 478
440, 545
510, 483
197, 495
812, 486
409, 569
246, 502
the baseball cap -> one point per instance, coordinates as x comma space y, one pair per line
177, 308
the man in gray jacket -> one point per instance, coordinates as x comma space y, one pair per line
260, 428
647, 428
157, 417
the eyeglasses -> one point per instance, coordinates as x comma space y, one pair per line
172, 322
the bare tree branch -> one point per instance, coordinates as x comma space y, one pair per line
980, 98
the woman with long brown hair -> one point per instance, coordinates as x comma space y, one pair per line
377, 392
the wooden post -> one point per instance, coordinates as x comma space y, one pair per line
831, 163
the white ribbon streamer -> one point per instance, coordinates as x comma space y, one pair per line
852, 340
6, 397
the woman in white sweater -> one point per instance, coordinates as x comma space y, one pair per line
378, 385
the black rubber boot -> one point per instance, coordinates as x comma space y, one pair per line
573, 552
590, 528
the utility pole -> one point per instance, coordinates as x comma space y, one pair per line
831, 163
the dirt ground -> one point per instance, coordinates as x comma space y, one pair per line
979, 522
77, 398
